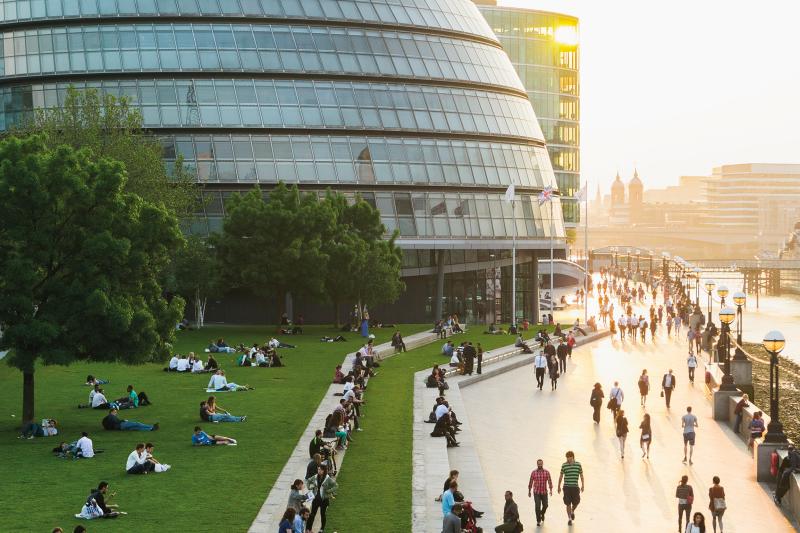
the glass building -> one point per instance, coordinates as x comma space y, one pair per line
411, 104
543, 47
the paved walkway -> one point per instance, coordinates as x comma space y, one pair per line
514, 424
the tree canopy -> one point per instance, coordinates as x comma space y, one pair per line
80, 261
111, 128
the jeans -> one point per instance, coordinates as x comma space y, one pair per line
141, 468
691, 374
32, 429
668, 395
224, 418
322, 506
540, 502
127, 425
737, 426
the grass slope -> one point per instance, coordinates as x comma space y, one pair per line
375, 481
208, 489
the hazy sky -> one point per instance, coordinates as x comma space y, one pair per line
679, 87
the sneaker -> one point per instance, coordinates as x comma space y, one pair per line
244, 418
538, 523
359, 429
166, 467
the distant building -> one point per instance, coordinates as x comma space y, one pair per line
543, 47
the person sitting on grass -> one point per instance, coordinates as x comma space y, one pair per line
243, 360
92, 381
84, 447
47, 428
275, 344
94, 391
219, 383
137, 462
201, 438
216, 413
96, 506
223, 347
112, 422
211, 364
133, 400
198, 367
183, 364
158, 466
99, 400
172, 366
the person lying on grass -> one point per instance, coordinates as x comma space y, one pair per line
92, 381
112, 422
219, 383
47, 428
201, 438
96, 506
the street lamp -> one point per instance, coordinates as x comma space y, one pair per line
722, 292
774, 343
697, 286
709, 285
739, 298
726, 316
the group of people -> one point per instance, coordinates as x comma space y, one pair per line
464, 356
451, 324
265, 356
190, 363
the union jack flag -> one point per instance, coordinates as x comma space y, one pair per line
546, 195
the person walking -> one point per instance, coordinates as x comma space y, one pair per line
716, 503
510, 516
596, 401
688, 422
541, 483
571, 471
622, 431
685, 495
691, 362
646, 437
668, 385
615, 398
552, 369
561, 352
480, 359
540, 365
323, 487
644, 386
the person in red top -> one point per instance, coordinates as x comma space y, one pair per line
541, 483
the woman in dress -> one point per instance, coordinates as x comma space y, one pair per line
647, 436
644, 386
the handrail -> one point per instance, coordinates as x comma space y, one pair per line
762, 361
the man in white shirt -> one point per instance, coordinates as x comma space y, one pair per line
691, 361
455, 359
622, 324
633, 327
85, 447
173, 364
99, 401
218, 381
617, 394
540, 365
441, 410
137, 461
348, 385
183, 364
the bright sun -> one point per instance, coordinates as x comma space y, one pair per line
567, 35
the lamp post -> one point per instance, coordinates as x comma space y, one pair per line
709, 285
697, 286
739, 298
774, 343
722, 292
726, 316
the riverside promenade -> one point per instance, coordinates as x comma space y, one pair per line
513, 424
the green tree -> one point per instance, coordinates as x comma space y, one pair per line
193, 273
364, 267
274, 246
80, 262
111, 128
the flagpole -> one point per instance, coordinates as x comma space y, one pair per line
514, 267
586, 256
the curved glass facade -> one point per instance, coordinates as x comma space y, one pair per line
543, 47
411, 104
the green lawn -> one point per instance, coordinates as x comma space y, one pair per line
377, 472
208, 489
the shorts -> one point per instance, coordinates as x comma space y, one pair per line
572, 495
688, 438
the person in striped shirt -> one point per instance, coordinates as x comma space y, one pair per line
571, 471
540, 482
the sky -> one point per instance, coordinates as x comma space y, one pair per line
676, 88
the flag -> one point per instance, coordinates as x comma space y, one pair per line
546, 195
581, 196
510, 193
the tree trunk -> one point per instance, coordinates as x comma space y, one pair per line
27, 397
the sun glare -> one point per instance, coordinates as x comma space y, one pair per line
567, 35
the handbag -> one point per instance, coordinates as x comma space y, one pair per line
612, 403
719, 504
690, 499
662, 393
519, 528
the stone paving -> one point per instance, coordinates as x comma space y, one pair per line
273, 507
432, 460
513, 425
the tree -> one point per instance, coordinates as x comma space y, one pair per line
111, 128
80, 262
194, 274
364, 267
274, 246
